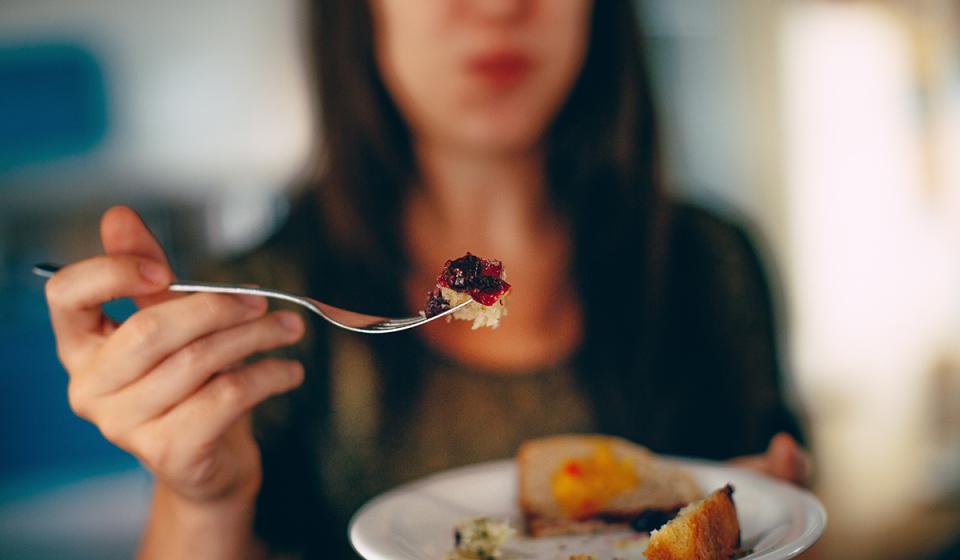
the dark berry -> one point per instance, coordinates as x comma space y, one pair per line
487, 283
459, 273
481, 279
436, 304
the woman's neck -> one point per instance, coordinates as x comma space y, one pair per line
489, 195
496, 207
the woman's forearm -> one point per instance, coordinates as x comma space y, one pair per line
180, 529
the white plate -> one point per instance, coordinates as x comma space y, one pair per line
415, 521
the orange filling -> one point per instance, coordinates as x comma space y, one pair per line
583, 486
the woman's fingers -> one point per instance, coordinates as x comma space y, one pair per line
787, 460
783, 459
75, 293
200, 420
135, 266
182, 373
152, 334
123, 232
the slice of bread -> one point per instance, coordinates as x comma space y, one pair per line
704, 530
572, 484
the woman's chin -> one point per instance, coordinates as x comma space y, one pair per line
503, 140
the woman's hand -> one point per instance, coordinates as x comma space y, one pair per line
783, 459
168, 385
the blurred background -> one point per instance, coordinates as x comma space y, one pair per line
831, 127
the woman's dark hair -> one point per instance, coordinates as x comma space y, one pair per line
602, 169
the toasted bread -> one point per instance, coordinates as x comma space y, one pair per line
704, 530
574, 484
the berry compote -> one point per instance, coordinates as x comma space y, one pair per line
481, 279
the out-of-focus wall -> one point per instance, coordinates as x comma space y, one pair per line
870, 94
199, 93
206, 103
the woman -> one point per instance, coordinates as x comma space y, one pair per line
516, 129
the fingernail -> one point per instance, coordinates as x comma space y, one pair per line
153, 272
290, 323
253, 302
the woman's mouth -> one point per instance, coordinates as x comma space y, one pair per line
501, 69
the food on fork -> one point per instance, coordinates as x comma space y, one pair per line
471, 277
704, 530
572, 484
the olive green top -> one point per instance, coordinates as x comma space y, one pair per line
463, 416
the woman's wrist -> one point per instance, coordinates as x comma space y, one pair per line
235, 507
180, 527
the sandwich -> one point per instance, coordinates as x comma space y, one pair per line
576, 484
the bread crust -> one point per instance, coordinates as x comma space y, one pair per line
705, 530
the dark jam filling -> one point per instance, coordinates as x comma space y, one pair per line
436, 304
652, 519
481, 279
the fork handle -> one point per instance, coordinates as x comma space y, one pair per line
214, 288
47, 270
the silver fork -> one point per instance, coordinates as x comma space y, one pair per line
350, 320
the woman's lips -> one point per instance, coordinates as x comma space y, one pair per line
501, 69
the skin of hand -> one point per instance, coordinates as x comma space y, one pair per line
169, 385
783, 459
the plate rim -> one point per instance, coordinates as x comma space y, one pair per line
814, 512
